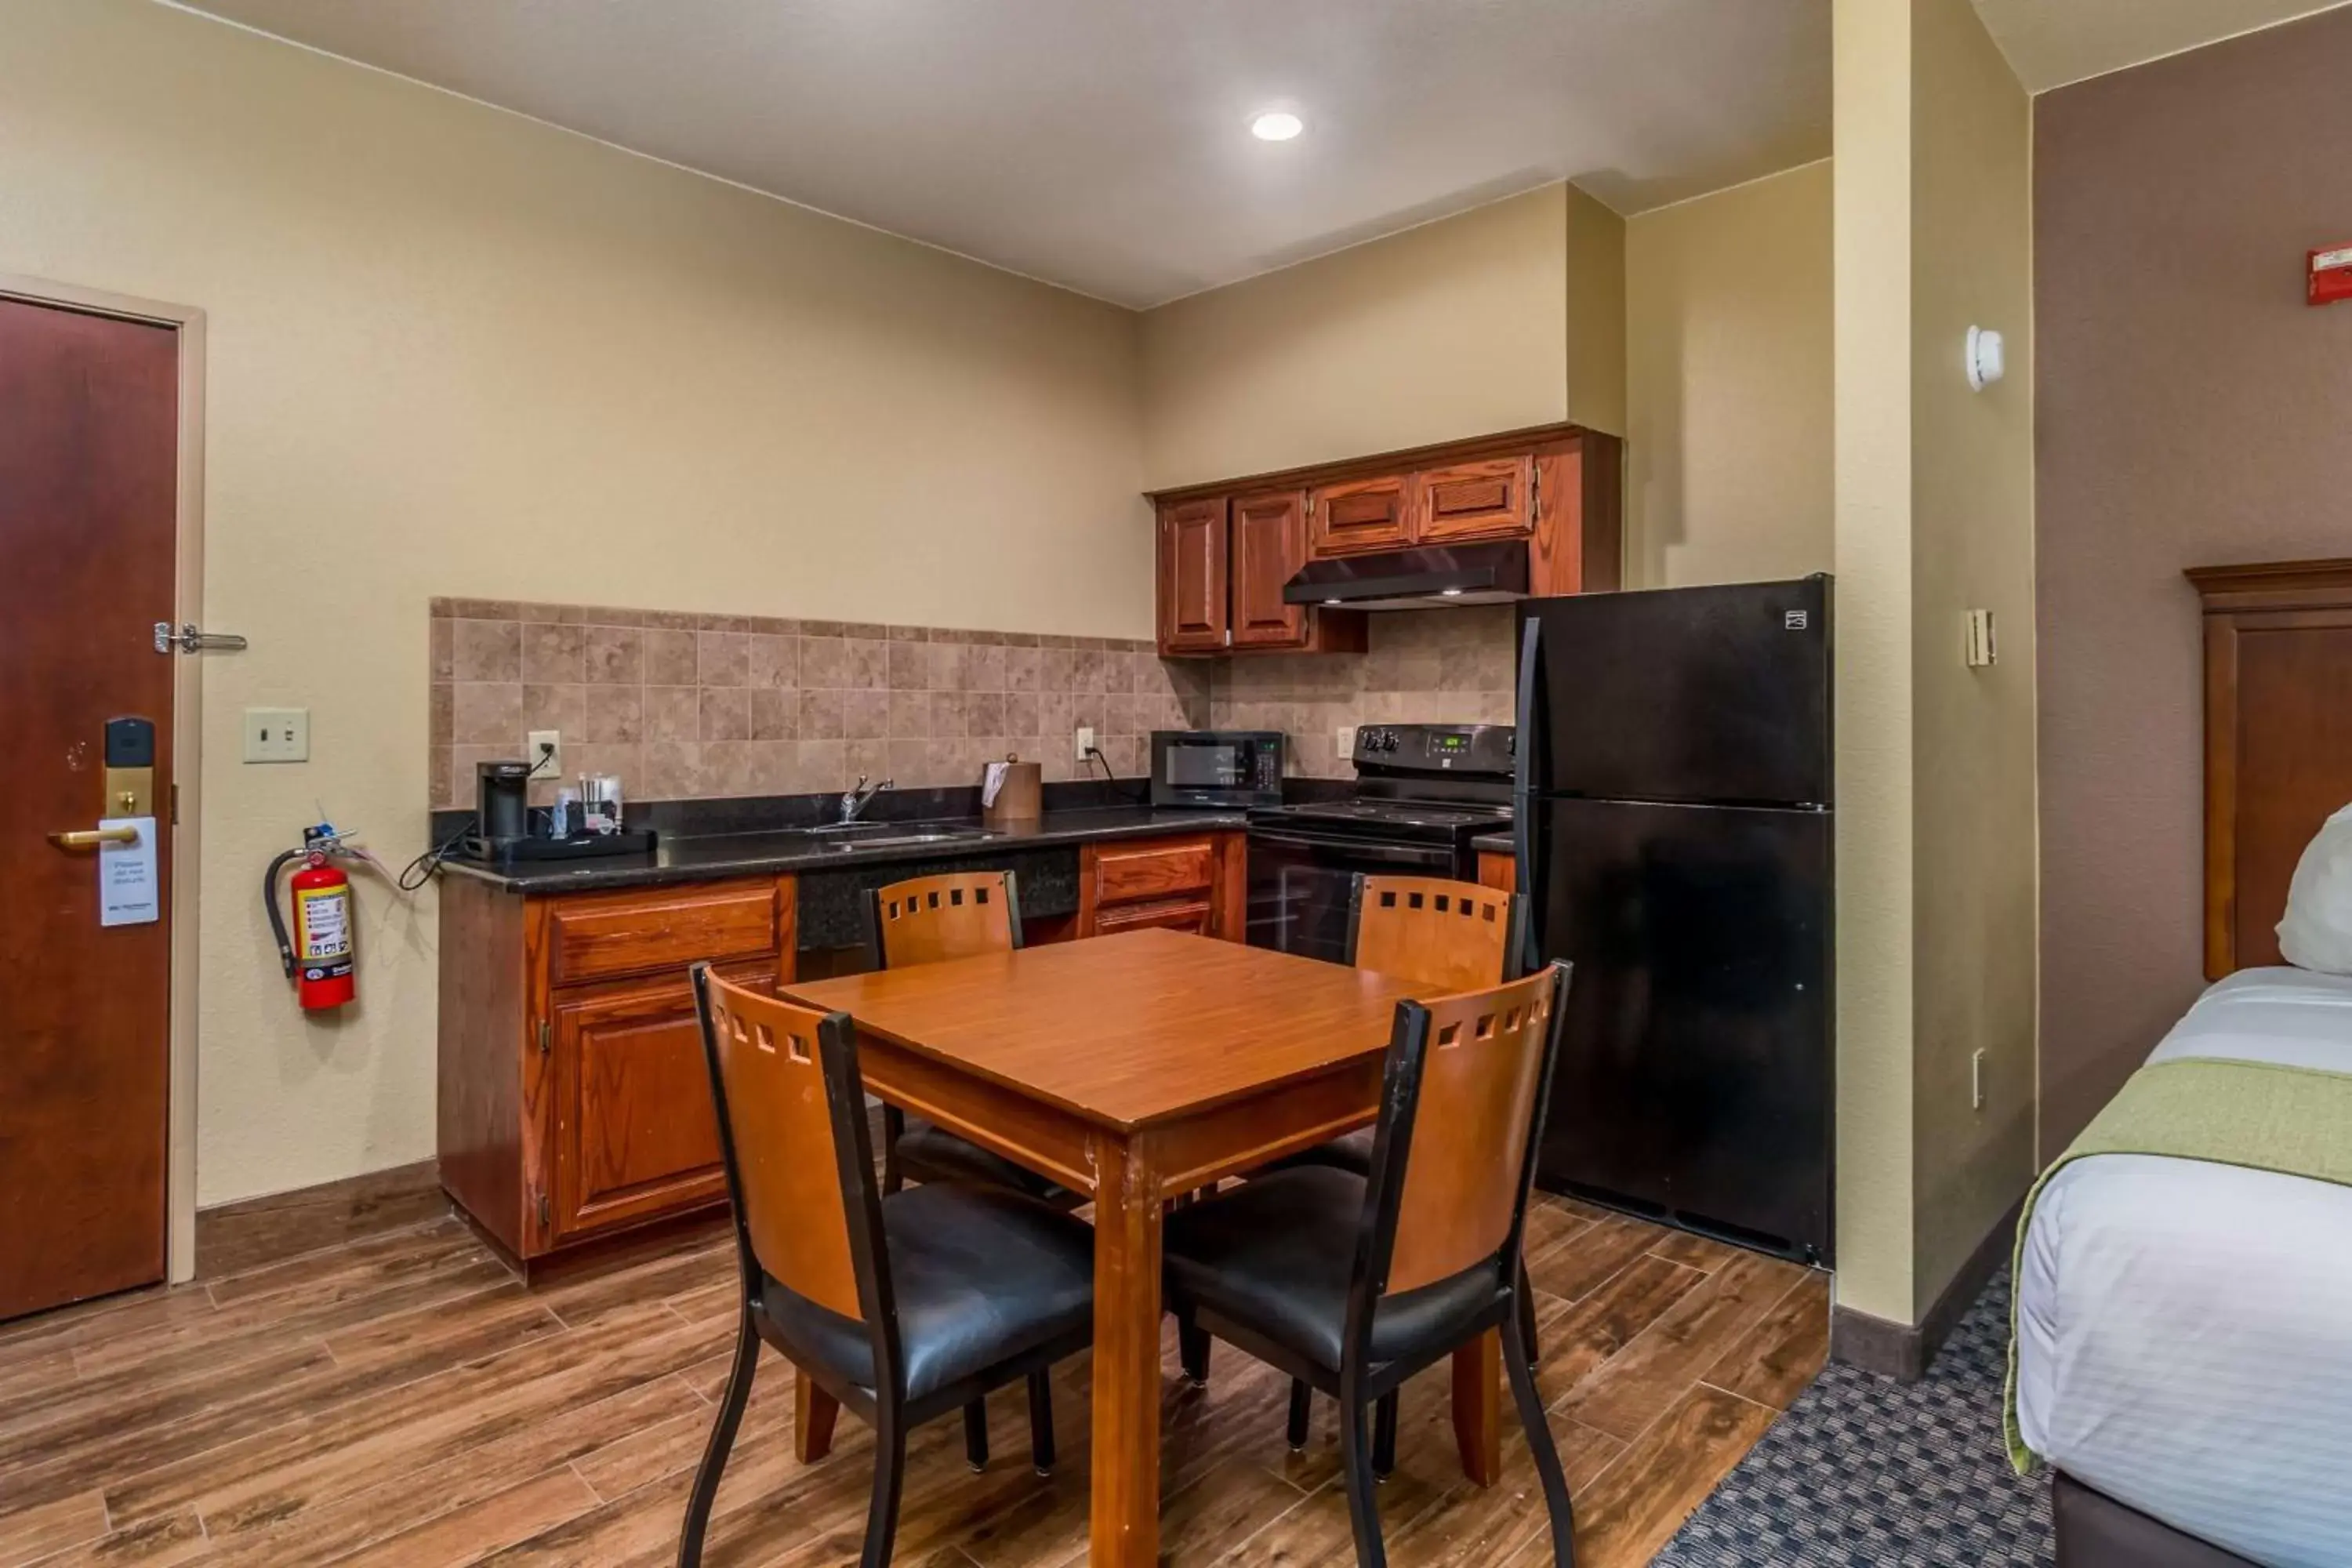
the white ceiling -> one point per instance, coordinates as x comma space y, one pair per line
2052, 42
1103, 144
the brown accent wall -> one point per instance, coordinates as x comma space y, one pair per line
2191, 410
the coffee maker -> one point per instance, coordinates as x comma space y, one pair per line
501, 805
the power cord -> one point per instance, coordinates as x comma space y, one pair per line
1093, 754
419, 871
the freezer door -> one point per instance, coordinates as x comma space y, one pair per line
1718, 694
1694, 1078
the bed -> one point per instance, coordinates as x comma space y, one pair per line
2184, 1328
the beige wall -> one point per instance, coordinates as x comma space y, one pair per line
1457, 328
1934, 516
1972, 545
2193, 412
453, 352
1730, 402
1872, 249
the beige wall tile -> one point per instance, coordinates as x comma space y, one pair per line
551, 652
614, 656
723, 657
671, 657
486, 650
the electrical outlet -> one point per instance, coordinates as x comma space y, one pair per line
544, 750
1976, 1081
278, 734
1086, 742
1344, 738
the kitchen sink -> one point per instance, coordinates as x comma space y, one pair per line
925, 836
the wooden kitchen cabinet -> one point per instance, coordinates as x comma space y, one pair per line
1196, 882
1488, 498
1269, 544
1350, 516
1226, 550
1192, 587
573, 1101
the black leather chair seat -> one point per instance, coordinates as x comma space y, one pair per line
934, 1155
1275, 1254
1348, 1151
981, 1274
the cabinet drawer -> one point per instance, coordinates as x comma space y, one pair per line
1154, 871
1195, 916
600, 936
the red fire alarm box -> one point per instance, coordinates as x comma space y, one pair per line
2331, 275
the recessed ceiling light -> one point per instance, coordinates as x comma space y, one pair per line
1276, 125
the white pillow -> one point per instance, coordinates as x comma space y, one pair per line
2316, 933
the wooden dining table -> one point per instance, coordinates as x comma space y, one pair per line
1136, 1067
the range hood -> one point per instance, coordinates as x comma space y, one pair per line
1419, 579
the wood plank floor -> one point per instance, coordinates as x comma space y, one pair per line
395, 1396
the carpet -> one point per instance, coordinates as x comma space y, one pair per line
1865, 1472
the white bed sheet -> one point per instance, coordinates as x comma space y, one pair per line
2185, 1329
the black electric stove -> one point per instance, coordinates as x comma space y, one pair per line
1422, 793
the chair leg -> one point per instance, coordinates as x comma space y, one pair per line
1528, 1315
1041, 1420
1301, 1400
1356, 1465
1384, 1437
890, 1475
722, 1439
893, 1127
1557, 1503
1192, 1348
975, 1434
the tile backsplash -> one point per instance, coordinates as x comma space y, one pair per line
684, 706
689, 706
1451, 666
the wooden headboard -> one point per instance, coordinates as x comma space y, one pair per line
2278, 740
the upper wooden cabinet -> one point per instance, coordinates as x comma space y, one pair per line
1489, 497
1226, 550
1269, 544
1192, 559
1355, 515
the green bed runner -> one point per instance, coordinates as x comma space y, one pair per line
2292, 1120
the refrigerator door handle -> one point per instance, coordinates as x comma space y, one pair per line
1532, 736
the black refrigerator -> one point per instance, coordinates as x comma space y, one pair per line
1674, 820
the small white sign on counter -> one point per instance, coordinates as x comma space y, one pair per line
127, 890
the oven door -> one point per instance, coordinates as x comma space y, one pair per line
1302, 884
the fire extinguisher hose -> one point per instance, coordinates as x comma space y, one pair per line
270, 902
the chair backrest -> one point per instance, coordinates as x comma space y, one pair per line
1469, 1078
929, 920
779, 1133
1449, 936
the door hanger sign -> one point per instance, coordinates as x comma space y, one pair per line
127, 890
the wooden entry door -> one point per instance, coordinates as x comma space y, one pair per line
88, 461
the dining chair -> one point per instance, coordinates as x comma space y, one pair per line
930, 920
1450, 937
902, 1308
1352, 1284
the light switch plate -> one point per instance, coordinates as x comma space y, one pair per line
1982, 651
1086, 742
278, 734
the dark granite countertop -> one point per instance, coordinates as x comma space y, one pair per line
691, 858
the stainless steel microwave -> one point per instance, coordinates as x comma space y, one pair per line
1229, 768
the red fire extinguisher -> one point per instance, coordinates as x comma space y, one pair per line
318, 956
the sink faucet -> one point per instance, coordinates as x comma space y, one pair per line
854, 800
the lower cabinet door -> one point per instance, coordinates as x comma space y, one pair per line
635, 1136
1197, 916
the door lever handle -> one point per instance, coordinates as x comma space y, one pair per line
92, 838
